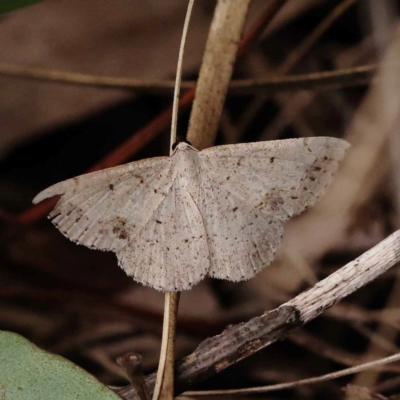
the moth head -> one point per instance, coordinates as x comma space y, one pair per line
182, 144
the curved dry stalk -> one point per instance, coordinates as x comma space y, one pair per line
177, 89
328, 80
301, 382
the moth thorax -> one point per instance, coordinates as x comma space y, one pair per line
187, 166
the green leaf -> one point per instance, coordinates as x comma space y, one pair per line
29, 373
10, 5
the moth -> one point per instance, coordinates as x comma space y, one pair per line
219, 212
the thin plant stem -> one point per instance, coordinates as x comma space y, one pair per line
178, 79
308, 381
164, 387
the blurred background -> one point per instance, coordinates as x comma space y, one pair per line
77, 302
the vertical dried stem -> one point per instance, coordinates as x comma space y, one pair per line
164, 387
177, 89
216, 71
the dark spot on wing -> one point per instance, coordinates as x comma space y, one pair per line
139, 177
123, 234
158, 222
121, 220
111, 186
271, 160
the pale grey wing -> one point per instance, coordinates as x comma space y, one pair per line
281, 177
241, 239
170, 252
105, 209
248, 190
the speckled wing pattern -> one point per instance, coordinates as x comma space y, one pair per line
170, 253
172, 220
250, 189
142, 213
101, 209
